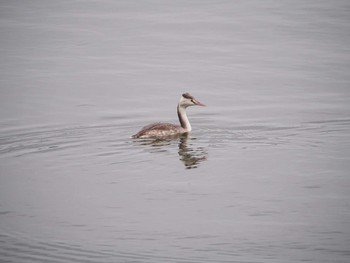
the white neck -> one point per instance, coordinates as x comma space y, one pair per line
185, 123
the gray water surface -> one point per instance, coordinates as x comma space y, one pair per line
263, 177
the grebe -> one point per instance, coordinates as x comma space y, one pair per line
168, 129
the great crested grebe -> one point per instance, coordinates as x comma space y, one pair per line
168, 129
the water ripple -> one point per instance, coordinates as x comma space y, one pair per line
308, 134
31, 250
51, 139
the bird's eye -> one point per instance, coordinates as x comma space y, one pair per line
193, 101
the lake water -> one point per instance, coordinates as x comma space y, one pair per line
263, 177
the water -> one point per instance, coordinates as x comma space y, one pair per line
263, 177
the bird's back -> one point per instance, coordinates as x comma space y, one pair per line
158, 130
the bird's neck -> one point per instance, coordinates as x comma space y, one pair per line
185, 123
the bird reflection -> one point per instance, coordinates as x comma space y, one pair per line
190, 155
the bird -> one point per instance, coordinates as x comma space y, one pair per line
159, 130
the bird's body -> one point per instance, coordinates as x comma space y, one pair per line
167, 129
159, 130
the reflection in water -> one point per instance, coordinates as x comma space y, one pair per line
189, 154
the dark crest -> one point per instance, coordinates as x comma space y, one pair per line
187, 96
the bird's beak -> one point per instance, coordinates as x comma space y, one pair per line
199, 103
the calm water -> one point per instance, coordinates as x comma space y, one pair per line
263, 177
